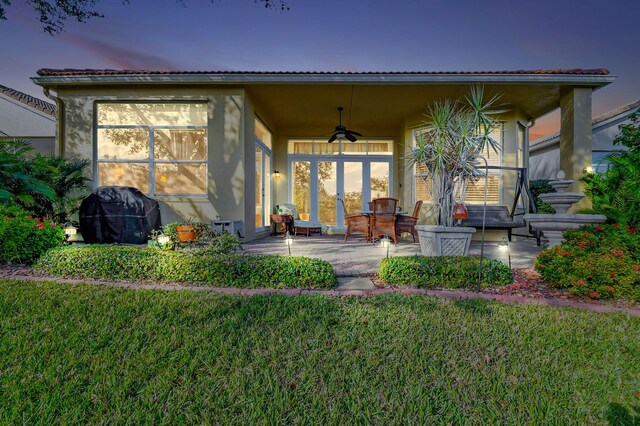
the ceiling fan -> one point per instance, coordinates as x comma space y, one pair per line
342, 132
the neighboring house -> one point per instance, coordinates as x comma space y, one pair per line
235, 144
544, 153
24, 117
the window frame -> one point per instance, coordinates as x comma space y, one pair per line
492, 172
151, 161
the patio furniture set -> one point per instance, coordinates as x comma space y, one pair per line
383, 218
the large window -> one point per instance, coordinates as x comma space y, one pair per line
475, 192
159, 148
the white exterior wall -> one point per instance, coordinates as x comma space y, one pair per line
21, 121
545, 156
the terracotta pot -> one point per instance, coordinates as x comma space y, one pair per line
186, 233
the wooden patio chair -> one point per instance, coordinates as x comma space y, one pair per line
355, 223
408, 223
384, 218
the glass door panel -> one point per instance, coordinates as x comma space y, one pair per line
301, 188
267, 190
259, 188
327, 192
352, 186
379, 179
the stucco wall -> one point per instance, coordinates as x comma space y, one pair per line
545, 161
226, 148
21, 121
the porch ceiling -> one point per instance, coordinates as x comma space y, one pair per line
300, 106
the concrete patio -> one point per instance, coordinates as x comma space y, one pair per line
357, 258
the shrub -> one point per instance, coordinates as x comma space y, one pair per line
24, 239
443, 271
616, 192
541, 186
186, 266
602, 262
46, 184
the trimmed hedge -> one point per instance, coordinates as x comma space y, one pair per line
186, 266
443, 271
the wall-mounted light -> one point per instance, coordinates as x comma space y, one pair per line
276, 174
163, 178
587, 169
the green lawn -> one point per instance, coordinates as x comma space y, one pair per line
87, 354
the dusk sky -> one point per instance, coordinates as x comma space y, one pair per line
334, 35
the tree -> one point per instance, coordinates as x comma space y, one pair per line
53, 14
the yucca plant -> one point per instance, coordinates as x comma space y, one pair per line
450, 147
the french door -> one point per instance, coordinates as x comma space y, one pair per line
263, 185
318, 182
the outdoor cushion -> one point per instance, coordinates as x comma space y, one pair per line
288, 209
307, 223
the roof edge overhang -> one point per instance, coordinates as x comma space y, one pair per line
325, 78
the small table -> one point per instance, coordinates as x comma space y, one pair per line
285, 221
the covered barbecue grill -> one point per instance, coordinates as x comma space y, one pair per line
118, 214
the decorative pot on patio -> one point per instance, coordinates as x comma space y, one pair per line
444, 240
186, 233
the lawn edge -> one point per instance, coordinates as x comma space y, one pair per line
446, 294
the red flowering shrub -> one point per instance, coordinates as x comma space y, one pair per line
23, 239
601, 262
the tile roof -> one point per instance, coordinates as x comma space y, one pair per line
36, 103
71, 72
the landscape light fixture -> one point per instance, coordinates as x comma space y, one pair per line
70, 230
385, 242
587, 169
288, 240
503, 246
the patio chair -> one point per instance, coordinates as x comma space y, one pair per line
408, 223
304, 226
355, 223
384, 218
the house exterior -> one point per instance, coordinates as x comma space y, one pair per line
24, 117
236, 144
544, 160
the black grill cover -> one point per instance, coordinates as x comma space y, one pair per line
118, 214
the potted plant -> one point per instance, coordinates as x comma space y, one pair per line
187, 232
450, 148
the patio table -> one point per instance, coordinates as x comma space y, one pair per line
370, 213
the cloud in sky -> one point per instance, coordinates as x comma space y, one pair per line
119, 56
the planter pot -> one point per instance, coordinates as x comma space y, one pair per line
444, 241
186, 233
